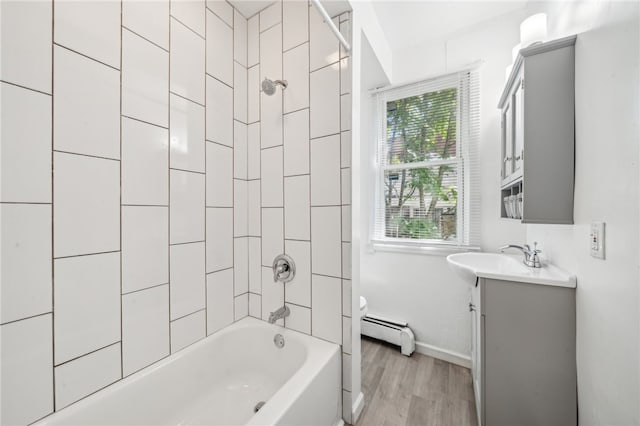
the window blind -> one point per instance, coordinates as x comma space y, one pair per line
427, 160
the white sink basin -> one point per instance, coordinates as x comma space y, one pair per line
506, 267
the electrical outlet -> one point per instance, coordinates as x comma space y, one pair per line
596, 240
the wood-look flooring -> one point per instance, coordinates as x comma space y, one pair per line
415, 391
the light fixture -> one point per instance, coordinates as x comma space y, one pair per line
533, 30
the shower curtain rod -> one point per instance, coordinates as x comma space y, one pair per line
328, 21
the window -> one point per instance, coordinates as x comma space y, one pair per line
427, 135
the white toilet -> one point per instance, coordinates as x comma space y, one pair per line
363, 307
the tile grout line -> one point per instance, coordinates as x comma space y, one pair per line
53, 276
120, 169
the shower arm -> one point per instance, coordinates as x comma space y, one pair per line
328, 21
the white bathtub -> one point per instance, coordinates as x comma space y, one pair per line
219, 381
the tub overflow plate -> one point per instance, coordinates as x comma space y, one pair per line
278, 340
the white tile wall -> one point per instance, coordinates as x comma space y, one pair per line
91, 28
85, 124
297, 222
346, 223
325, 101
295, 23
272, 294
219, 49
272, 235
253, 208
86, 214
298, 290
145, 161
190, 13
240, 38
253, 94
345, 149
145, 247
145, 80
186, 135
255, 266
271, 119
188, 330
325, 171
346, 335
25, 58
326, 253
271, 177
253, 154
241, 307
219, 239
240, 266
219, 112
345, 112
187, 63
255, 305
345, 76
240, 93
240, 202
296, 143
222, 9
86, 375
187, 207
26, 370
299, 319
25, 256
187, 279
346, 298
145, 328
253, 40
149, 19
168, 130
296, 72
220, 303
87, 304
219, 175
346, 371
239, 150
326, 308
345, 183
271, 67
25, 165
324, 45
270, 16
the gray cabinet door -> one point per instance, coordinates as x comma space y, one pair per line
529, 374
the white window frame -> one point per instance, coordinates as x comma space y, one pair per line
466, 162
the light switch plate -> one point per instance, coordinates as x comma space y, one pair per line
596, 240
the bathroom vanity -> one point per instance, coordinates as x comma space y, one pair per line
523, 349
524, 354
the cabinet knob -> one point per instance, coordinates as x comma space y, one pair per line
472, 307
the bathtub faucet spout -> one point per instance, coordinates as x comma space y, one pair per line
278, 314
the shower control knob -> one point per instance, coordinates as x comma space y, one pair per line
284, 269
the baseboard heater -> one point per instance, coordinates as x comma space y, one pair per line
394, 332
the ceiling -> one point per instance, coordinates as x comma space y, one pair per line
408, 23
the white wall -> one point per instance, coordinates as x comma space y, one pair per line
606, 190
421, 289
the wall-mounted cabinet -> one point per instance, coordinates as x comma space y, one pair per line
538, 138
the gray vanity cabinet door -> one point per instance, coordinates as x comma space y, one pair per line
529, 374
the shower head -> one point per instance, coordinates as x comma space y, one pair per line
269, 86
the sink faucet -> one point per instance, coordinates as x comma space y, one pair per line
278, 314
531, 258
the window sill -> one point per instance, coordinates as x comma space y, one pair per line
424, 249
